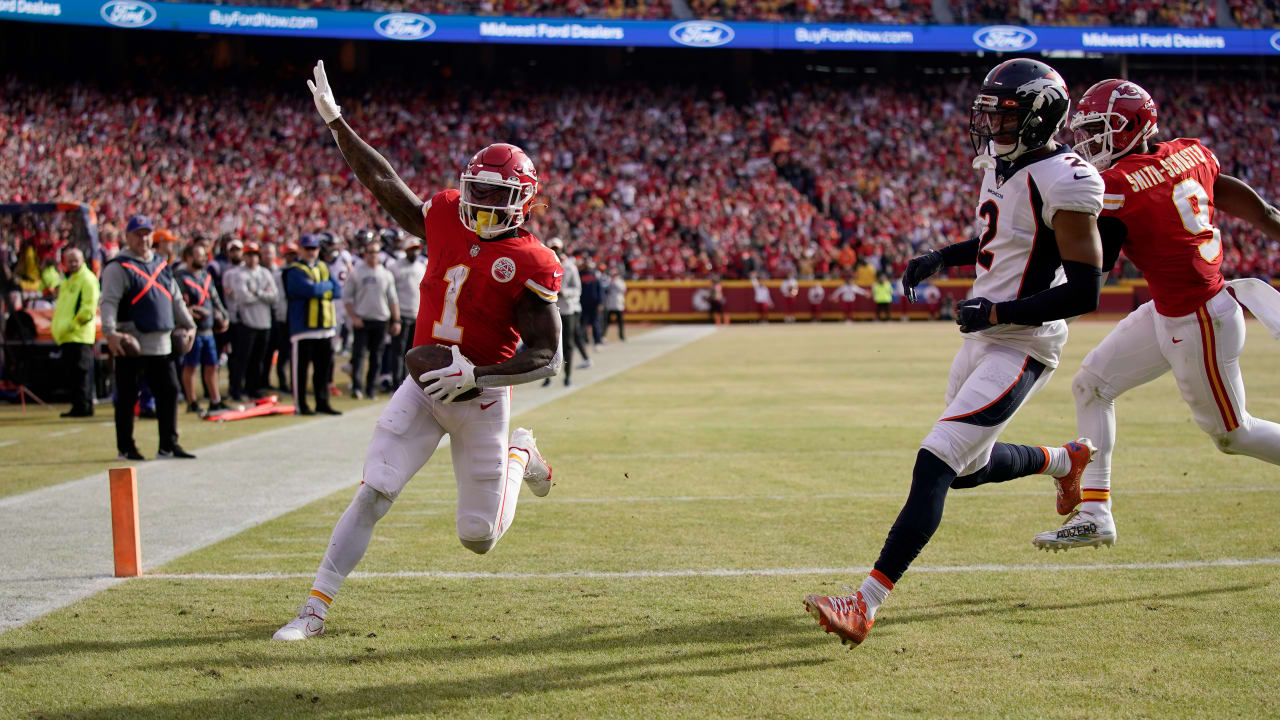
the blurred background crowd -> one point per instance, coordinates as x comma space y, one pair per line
678, 181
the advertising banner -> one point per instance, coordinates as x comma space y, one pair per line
703, 34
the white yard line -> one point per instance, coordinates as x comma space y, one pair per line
57, 540
799, 497
7, 443
725, 572
68, 431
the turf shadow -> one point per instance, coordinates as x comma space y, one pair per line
612, 659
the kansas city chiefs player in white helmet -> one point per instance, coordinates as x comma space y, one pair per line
490, 285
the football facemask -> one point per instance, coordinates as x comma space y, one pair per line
490, 206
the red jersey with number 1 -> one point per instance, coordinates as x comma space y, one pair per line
469, 294
1165, 200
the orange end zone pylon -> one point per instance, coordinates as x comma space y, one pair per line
125, 537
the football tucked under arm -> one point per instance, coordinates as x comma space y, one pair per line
426, 358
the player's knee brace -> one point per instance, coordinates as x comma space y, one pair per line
477, 533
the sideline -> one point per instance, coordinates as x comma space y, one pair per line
57, 539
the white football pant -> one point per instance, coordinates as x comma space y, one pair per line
988, 385
407, 433
1203, 351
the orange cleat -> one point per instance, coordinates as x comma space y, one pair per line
844, 616
1081, 452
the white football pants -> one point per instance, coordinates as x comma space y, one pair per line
407, 433
1203, 351
988, 385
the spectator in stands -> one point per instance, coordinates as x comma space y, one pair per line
615, 304
374, 310
408, 272
255, 292
74, 331
141, 306
312, 325
206, 309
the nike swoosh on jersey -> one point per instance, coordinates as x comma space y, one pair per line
1176, 340
486, 406
1080, 177
556, 274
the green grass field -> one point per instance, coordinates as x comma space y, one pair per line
779, 448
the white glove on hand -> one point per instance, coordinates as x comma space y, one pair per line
323, 95
450, 382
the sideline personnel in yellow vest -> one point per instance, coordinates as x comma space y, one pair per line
311, 292
73, 329
882, 296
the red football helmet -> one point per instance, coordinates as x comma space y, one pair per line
497, 190
1112, 118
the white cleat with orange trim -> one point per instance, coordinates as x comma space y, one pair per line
537, 473
308, 624
1082, 529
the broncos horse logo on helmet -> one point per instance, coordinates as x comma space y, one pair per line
1022, 104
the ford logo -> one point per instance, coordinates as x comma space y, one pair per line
1275, 41
701, 33
1004, 38
128, 13
404, 26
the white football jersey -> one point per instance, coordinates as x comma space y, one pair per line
1018, 252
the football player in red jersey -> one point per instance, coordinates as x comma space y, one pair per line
489, 286
1159, 206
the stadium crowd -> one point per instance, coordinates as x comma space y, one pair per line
657, 183
1179, 13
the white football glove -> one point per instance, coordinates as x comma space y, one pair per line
449, 382
323, 95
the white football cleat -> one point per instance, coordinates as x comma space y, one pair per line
307, 624
537, 473
1082, 529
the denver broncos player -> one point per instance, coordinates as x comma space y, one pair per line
489, 286
1159, 206
1039, 261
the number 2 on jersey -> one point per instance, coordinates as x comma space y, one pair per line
1193, 207
991, 213
446, 328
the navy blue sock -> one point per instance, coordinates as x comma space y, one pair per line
1007, 463
919, 517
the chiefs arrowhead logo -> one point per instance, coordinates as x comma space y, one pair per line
504, 268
